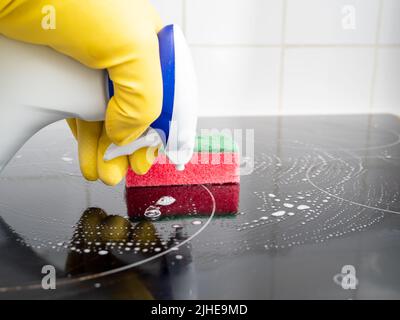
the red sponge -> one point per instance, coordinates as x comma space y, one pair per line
204, 168
189, 199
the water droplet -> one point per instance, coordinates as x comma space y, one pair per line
278, 213
196, 222
152, 212
303, 207
178, 257
288, 205
103, 252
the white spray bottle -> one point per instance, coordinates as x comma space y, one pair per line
39, 86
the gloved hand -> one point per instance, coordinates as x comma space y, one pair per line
117, 35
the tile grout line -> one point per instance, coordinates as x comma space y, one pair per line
376, 56
184, 17
282, 59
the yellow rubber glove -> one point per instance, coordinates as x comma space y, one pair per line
118, 35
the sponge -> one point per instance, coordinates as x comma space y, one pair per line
187, 200
215, 161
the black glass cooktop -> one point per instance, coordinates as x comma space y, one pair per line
318, 218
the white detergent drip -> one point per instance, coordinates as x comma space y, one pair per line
165, 201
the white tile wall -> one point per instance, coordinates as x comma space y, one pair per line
225, 22
292, 56
327, 80
331, 21
387, 88
390, 30
239, 81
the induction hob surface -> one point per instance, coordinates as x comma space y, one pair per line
318, 218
